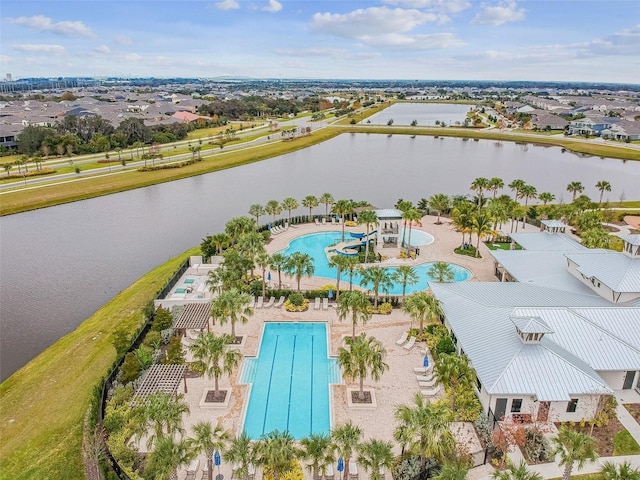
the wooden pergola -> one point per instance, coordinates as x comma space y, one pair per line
161, 378
195, 316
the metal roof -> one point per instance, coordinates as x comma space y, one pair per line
554, 223
195, 316
388, 213
547, 241
632, 239
617, 271
529, 324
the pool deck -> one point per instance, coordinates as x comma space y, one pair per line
397, 386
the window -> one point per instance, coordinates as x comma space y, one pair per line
572, 405
479, 385
516, 405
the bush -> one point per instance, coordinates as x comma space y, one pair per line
467, 405
130, 369
407, 469
162, 319
536, 447
444, 346
385, 308
296, 299
296, 303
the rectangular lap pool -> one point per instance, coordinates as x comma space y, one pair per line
290, 378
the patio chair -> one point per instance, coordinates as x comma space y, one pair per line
353, 469
270, 303
425, 377
260, 302
324, 221
252, 302
328, 471
409, 345
428, 384
316, 221
403, 338
325, 303
420, 370
432, 392
280, 302
317, 304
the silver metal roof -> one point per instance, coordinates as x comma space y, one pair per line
547, 241
632, 239
388, 213
554, 223
529, 324
616, 270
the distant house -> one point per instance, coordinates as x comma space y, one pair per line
590, 126
188, 117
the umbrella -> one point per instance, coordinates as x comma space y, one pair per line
330, 294
269, 277
425, 362
340, 464
216, 458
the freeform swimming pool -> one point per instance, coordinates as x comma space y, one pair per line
290, 378
315, 243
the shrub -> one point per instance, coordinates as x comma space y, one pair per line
153, 340
536, 447
175, 353
385, 308
467, 405
296, 303
130, 369
444, 346
407, 469
162, 319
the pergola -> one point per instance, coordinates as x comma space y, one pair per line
161, 378
195, 316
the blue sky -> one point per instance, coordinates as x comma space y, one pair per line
593, 41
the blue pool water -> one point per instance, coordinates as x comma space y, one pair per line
290, 380
315, 243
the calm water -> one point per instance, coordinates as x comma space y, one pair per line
290, 378
58, 265
426, 114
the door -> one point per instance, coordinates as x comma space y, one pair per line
628, 380
501, 408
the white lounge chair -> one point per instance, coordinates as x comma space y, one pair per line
316, 306
409, 345
193, 467
353, 469
425, 377
328, 471
316, 221
428, 384
259, 302
325, 303
420, 370
432, 392
280, 302
324, 221
403, 338
270, 303
252, 302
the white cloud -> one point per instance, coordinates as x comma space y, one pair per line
626, 42
370, 22
227, 5
498, 14
44, 24
102, 49
273, 7
433, 41
5, 59
311, 52
452, 6
123, 40
39, 48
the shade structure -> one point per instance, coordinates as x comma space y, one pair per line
216, 458
340, 464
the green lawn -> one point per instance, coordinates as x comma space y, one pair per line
501, 246
625, 444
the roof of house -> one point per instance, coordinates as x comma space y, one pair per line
387, 213
617, 271
547, 241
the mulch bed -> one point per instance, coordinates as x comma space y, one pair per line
357, 400
603, 436
216, 397
634, 410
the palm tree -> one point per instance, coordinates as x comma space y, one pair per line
571, 447
256, 210
495, 184
411, 215
300, 264
263, 260
441, 272
453, 471
546, 197
454, 371
479, 185
356, 305
167, 456
279, 263
7, 168
405, 275
516, 186
238, 226
277, 453
342, 208
527, 192
423, 307
603, 186
231, 305
440, 203
375, 454
352, 265
379, 278
289, 204
310, 202
339, 262
249, 246
346, 439
623, 471
220, 241
161, 413
273, 208
362, 356
241, 452
513, 472
207, 439
498, 209
427, 425
462, 219
317, 448
575, 188
482, 227
368, 218
212, 357
328, 201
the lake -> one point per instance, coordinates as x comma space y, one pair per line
426, 114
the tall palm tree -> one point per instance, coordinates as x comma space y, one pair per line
405, 275
279, 263
318, 449
482, 227
289, 204
231, 305
276, 453
427, 426
346, 439
161, 415
423, 307
257, 210
454, 371
603, 186
220, 241
328, 201
439, 202
375, 454
527, 192
379, 278
516, 186
241, 452
575, 188
362, 357
342, 208
479, 185
546, 197
300, 264
238, 226
352, 266
516, 472
441, 272
212, 356
462, 219
273, 208
168, 455
454, 471
207, 439
368, 218
354, 304
499, 209
623, 471
310, 202
263, 260
495, 184
571, 447
411, 215
339, 262
249, 246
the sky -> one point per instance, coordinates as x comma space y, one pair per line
542, 40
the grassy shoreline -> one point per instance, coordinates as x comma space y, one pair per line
84, 188
42, 405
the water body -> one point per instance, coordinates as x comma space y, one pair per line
60, 264
426, 114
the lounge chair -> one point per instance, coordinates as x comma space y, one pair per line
420, 370
353, 469
260, 302
270, 303
426, 377
410, 343
252, 302
325, 303
431, 392
316, 306
324, 221
192, 469
328, 471
205, 471
428, 384
317, 221
280, 302
403, 338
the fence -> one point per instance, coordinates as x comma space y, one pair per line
173, 280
